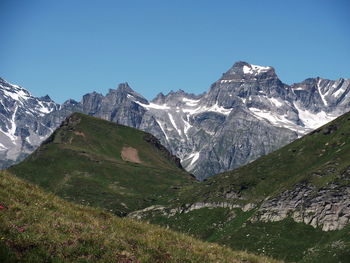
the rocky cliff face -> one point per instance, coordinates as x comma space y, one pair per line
21, 129
246, 113
327, 208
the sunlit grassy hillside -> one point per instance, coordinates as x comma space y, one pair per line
36, 226
97, 162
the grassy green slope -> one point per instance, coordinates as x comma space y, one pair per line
82, 162
318, 159
285, 240
36, 226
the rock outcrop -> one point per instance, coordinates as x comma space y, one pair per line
327, 207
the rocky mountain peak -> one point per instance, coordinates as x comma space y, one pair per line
124, 87
4, 83
70, 102
242, 70
176, 94
13, 91
125, 91
159, 99
46, 98
239, 65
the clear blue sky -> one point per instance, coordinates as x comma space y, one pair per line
67, 48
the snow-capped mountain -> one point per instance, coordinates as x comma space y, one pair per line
246, 113
21, 130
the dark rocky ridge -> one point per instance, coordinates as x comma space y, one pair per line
164, 151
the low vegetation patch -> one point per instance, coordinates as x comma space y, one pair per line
36, 226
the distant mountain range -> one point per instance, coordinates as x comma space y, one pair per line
246, 113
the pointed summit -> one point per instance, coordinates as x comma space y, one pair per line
124, 87
245, 70
46, 98
124, 90
159, 99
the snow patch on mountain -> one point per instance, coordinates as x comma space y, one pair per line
190, 102
312, 120
277, 120
254, 69
276, 102
2, 147
343, 88
163, 130
153, 106
174, 124
214, 108
193, 157
323, 96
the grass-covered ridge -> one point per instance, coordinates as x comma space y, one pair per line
36, 226
97, 162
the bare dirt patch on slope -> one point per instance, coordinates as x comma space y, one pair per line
130, 154
79, 133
